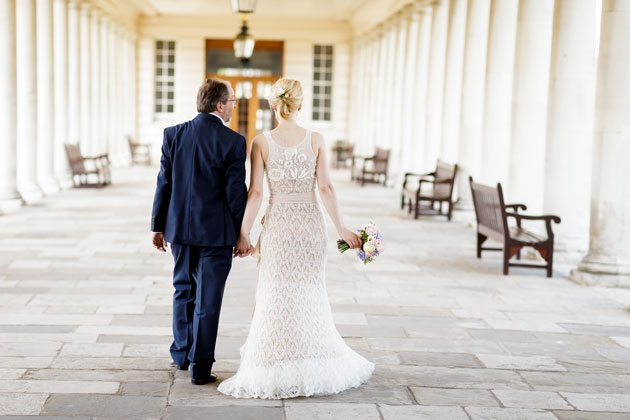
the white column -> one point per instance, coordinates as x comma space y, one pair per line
353, 103
127, 95
9, 196
497, 113
386, 140
74, 71
113, 91
529, 111
62, 114
103, 95
45, 99
421, 88
133, 111
435, 93
95, 81
473, 89
397, 95
380, 88
570, 122
453, 80
372, 93
408, 135
85, 136
359, 110
120, 89
27, 102
608, 260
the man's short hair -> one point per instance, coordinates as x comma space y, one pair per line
211, 92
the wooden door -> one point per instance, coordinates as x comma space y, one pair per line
252, 115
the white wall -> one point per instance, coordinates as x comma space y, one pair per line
190, 33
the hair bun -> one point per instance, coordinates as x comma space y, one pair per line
286, 95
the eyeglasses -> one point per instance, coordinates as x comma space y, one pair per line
233, 100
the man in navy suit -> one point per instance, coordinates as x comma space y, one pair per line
198, 208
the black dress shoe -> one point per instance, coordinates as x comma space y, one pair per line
203, 381
175, 365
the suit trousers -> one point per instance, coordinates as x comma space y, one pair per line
199, 279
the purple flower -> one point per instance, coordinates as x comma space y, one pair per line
379, 236
361, 255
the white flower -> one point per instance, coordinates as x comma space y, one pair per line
369, 247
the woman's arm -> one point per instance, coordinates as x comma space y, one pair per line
254, 197
327, 193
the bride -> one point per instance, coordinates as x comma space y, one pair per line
293, 348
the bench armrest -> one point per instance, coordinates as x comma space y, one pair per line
547, 218
516, 207
415, 175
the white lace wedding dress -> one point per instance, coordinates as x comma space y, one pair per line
293, 348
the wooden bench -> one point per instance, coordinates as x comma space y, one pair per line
342, 152
372, 169
442, 181
96, 165
140, 152
492, 222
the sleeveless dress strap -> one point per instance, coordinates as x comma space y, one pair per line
267, 135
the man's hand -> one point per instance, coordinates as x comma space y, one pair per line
158, 241
243, 247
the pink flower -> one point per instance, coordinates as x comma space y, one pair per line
371, 230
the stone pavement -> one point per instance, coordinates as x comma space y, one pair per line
85, 322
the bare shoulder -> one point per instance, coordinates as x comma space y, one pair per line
259, 143
317, 138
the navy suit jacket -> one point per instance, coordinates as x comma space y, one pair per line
201, 194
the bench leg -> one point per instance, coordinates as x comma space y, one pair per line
450, 211
480, 240
402, 202
550, 260
506, 260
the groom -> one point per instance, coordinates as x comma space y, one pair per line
198, 207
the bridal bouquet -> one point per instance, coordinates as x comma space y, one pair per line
372, 243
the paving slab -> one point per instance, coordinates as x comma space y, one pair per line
392, 412
228, 412
619, 403
120, 406
22, 404
499, 361
532, 399
489, 413
454, 397
330, 411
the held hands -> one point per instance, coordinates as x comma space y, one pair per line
351, 238
158, 242
243, 246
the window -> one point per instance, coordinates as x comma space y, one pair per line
322, 82
164, 76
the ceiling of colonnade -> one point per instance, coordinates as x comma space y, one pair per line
299, 9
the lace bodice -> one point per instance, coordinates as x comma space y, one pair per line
290, 170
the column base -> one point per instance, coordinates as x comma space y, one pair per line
10, 205
31, 194
598, 279
64, 182
49, 187
601, 271
465, 203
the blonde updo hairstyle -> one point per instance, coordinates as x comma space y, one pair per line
286, 96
